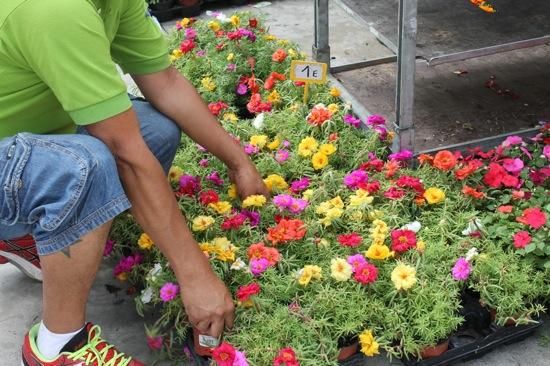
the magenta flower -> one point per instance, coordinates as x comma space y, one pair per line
231, 67
109, 244
546, 151
189, 185
376, 120
356, 178
282, 201
155, 343
169, 291
401, 155
281, 156
462, 269
190, 33
381, 131
214, 177
204, 163
299, 185
298, 206
356, 261
258, 266
250, 149
242, 89
352, 121
252, 216
126, 264
513, 166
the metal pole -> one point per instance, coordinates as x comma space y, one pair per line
406, 60
321, 48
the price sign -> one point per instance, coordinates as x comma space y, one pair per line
309, 72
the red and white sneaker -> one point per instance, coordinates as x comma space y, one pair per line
85, 349
22, 253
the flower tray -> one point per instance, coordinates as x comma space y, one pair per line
470, 343
177, 11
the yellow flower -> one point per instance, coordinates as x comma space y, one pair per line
327, 149
270, 37
256, 200
221, 207
274, 97
307, 146
294, 107
176, 54
208, 83
235, 20
335, 92
215, 26
282, 42
258, 140
307, 194
323, 243
231, 56
376, 214
356, 216
337, 202
319, 160
201, 223
334, 213
232, 191
434, 195
145, 242
377, 251
403, 276
340, 269
333, 107
230, 117
369, 346
420, 246
360, 198
274, 144
292, 53
274, 181
304, 276
122, 276
175, 174
186, 22
323, 208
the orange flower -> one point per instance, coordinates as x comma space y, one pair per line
477, 2
256, 251
467, 170
279, 55
319, 115
487, 8
391, 167
425, 159
444, 160
472, 192
286, 230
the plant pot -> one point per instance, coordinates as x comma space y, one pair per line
200, 349
434, 351
348, 351
190, 8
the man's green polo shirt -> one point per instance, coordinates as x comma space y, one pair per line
57, 61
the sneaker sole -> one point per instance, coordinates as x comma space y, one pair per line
24, 266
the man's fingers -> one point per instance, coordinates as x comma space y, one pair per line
229, 319
203, 326
216, 328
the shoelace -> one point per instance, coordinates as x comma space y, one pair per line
89, 353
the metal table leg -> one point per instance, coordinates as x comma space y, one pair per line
321, 48
406, 60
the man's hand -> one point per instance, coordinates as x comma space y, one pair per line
248, 181
208, 303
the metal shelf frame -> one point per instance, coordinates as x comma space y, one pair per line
406, 68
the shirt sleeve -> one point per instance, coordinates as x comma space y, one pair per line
139, 46
65, 44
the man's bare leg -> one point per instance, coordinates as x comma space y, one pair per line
68, 278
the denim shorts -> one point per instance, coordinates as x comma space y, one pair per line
60, 187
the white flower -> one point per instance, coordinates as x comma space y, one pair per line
238, 265
258, 121
471, 254
473, 226
146, 295
413, 226
152, 275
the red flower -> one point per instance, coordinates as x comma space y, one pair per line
187, 45
394, 193
402, 240
505, 209
472, 192
207, 197
286, 230
224, 355
425, 159
255, 105
444, 160
468, 169
252, 22
216, 108
365, 273
497, 176
406, 181
352, 240
533, 217
286, 357
155, 343
233, 222
522, 239
279, 55
246, 291
272, 80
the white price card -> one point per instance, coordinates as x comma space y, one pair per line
309, 72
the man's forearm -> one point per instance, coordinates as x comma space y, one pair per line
175, 97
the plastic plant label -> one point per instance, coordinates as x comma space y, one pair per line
308, 71
208, 341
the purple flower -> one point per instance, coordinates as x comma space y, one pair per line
190, 33
231, 67
354, 179
356, 260
201, 53
376, 120
461, 269
214, 177
282, 201
109, 244
250, 149
286, 144
252, 216
258, 266
512, 140
546, 151
240, 359
513, 165
169, 291
401, 155
204, 163
299, 185
281, 156
352, 121
242, 89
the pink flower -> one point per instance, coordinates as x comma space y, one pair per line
402, 240
513, 166
242, 89
298, 205
512, 140
281, 156
224, 355
169, 291
250, 149
299, 185
109, 245
546, 151
240, 359
352, 121
126, 264
401, 155
365, 273
356, 178
204, 163
282, 201
522, 239
533, 217
376, 120
214, 177
154, 343
190, 33
461, 269
258, 266
356, 261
